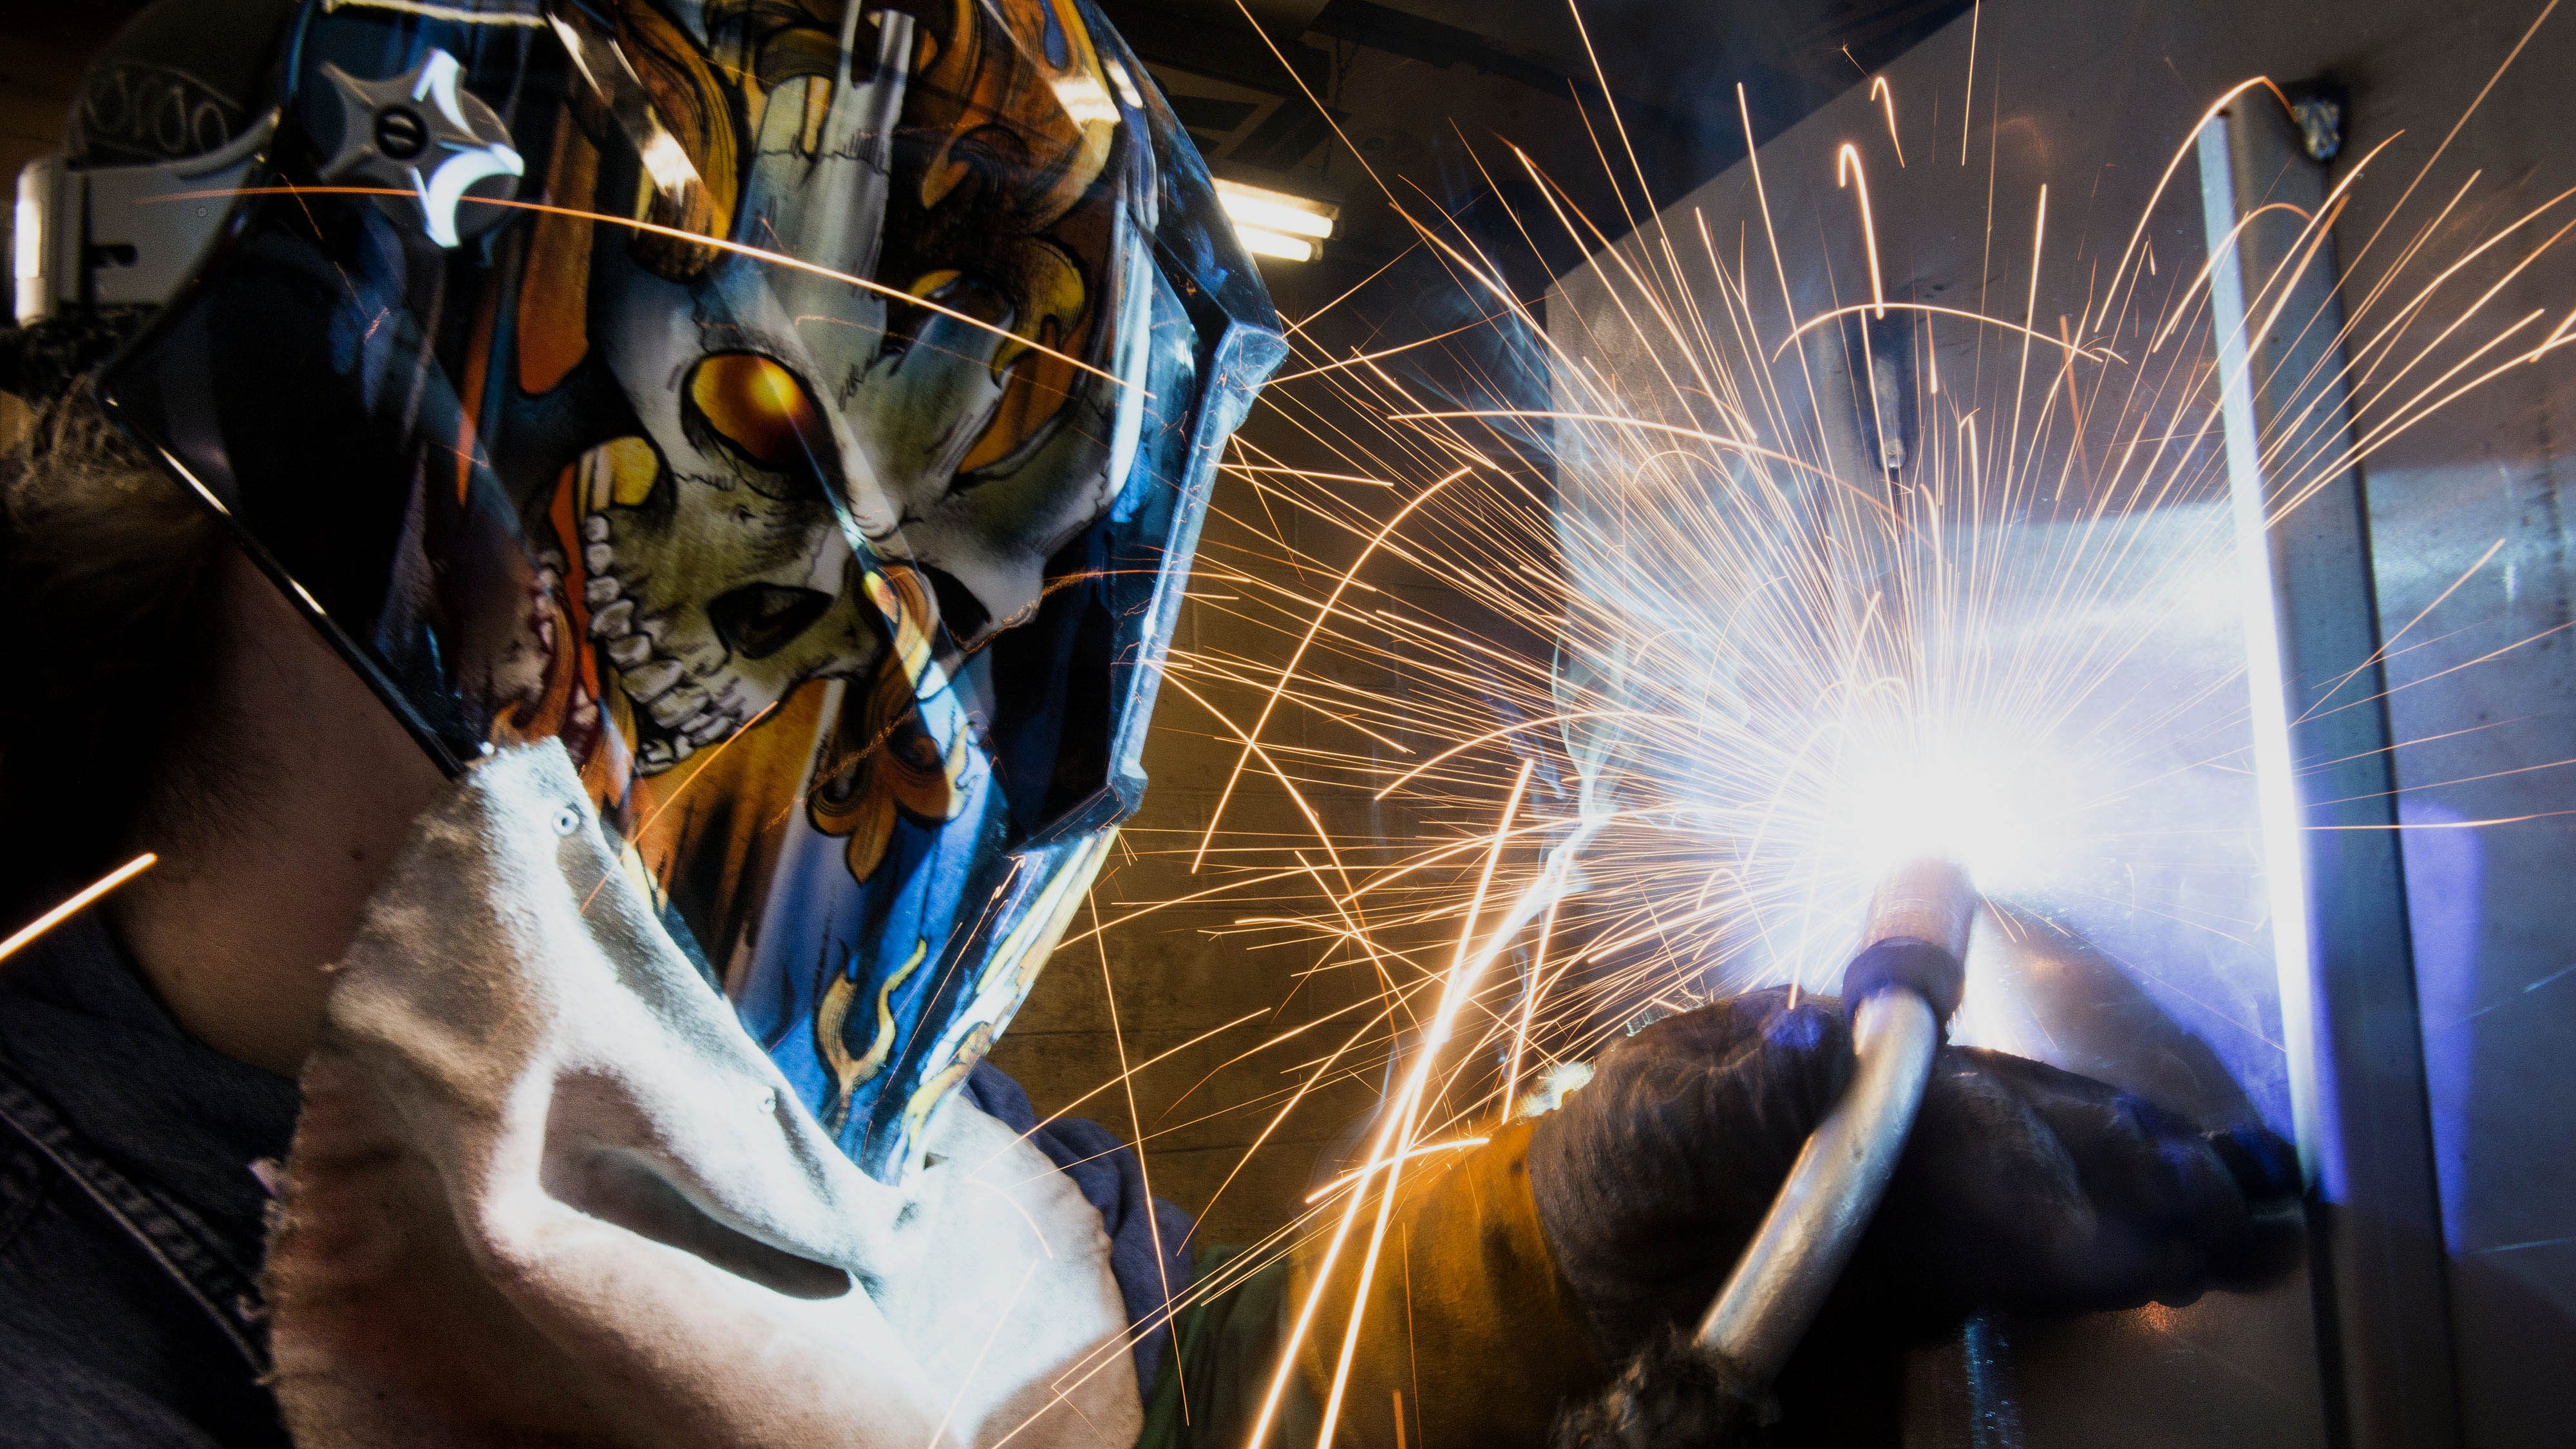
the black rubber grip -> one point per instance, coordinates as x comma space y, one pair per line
1928, 971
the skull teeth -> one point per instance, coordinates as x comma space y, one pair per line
655, 756
647, 683
684, 715
680, 707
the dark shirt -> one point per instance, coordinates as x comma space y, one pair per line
132, 1211
127, 1202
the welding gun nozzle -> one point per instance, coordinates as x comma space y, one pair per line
1899, 992
1919, 919
1926, 899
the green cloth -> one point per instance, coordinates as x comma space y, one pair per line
1225, 1353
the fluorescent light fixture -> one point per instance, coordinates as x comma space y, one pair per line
35, 188
1274, 223
1261, 241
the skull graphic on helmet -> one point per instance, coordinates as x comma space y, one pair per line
966, 416
802, 409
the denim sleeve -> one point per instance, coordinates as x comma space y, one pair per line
49, 1400
99, 1345
1149, 1239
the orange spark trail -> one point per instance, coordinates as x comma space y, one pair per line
1252, 737
1887, 98
1847, 172
70, 908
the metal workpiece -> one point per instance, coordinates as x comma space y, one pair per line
2346, 959
2242, 936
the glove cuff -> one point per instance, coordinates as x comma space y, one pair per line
1466, 1316
1672, 1395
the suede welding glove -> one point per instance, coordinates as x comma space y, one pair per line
2023, 1187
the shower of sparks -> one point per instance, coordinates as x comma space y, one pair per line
1614, 705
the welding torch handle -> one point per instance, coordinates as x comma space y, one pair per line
1833, 1189
1900, 991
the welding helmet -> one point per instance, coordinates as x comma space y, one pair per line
804, 411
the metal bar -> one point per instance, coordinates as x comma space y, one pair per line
2347, 968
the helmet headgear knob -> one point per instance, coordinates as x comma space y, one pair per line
427, 144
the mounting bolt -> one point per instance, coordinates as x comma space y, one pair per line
401, 135
2319, 108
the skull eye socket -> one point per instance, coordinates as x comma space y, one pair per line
761, 411
758, 620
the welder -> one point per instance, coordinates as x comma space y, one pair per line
619, 555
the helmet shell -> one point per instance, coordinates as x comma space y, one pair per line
804, 413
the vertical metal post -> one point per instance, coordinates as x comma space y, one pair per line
2348, 984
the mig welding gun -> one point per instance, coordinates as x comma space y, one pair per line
2049, 1192
1900, 991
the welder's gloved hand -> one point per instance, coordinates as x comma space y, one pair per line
2023, 1187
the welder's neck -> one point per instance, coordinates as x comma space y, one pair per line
275, 816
